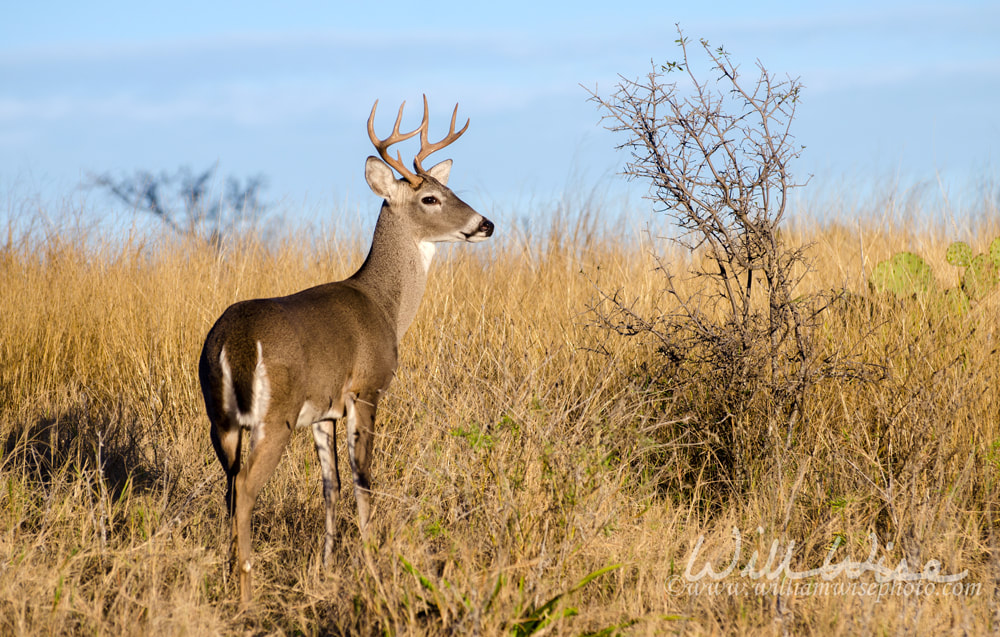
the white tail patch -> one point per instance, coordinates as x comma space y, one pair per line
260, 398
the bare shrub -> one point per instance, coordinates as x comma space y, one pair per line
735, 351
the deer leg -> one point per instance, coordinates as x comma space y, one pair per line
227, 439
324, 434
360, 428
267, 443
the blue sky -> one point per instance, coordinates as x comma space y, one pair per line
893, 90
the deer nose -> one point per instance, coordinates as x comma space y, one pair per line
486, 227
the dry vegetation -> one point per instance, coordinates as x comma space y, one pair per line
519, 450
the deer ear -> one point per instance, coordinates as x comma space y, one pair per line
379, 177
441, 171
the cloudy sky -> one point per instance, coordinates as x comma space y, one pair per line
894, 90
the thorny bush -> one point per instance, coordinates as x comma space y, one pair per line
736, 357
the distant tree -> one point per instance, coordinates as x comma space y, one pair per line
184, 200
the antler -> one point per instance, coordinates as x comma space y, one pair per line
383, 145
428, 148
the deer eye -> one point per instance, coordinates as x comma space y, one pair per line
429, 201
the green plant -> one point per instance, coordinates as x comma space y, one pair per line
980, 277
535, 618
476, 435
959, 254
904, 274
982, 271
953, 301
528, 622
436, 601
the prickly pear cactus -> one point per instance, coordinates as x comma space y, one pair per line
954, 302
980, 277
905, 274
959, 254
995, 252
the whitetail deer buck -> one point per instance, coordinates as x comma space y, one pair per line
329, 352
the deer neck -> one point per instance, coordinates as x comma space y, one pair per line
395, 272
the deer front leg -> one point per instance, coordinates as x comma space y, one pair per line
360, 428
324, 434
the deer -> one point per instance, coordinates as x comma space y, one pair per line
329, 352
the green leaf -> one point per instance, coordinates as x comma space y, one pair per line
425, 582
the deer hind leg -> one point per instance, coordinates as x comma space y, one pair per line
324, 434
268, 439
360, 411
227, 439
228, 442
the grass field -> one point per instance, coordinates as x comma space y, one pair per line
512, 460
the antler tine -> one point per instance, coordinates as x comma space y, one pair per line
382, 145
427, 148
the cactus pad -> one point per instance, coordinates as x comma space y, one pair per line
905, 274
954, 301
959, 254
980, 277
995, 252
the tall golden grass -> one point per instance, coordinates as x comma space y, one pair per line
512, 460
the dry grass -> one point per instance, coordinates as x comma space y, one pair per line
511, 460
